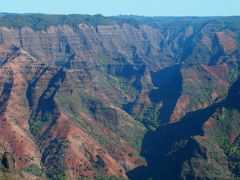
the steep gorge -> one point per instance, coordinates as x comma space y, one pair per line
118, 97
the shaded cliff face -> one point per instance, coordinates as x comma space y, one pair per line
97, 97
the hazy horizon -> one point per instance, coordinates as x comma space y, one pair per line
170, 8
133, 15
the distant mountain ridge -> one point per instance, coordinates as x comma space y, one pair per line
31, 19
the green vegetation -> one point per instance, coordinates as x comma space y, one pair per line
43, 21
69, 103
106, 115
103, 114
217, 154
227, 126
102, 58
124, 86
133, 135
200, 168
227, 123
84, 178
39, 119
151, 119
56, 153
110, 118
199, 90
222, 114
97, 134
234, 73
233, 152
80, 122
99, 163
101, 176
36, 126
34, 170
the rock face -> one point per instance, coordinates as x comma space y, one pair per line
119, 97
60, 140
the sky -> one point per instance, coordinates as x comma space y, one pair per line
125, 7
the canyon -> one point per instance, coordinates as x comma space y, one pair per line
126, 97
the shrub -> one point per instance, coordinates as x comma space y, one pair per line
34, 170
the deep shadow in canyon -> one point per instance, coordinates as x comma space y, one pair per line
165, 162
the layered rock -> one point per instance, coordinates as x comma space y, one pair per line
78, 97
